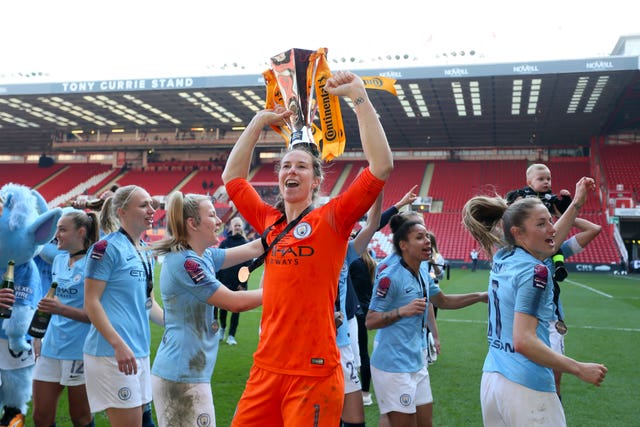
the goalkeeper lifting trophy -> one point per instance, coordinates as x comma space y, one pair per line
296, 81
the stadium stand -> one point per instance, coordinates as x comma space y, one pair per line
264, 173
157, 183
454, 183
408, 173
451, 182
332, 172
68, 177
212, 179
621, 164
107, 181
351, 170
27, 174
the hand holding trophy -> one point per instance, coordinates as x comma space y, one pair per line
291, 69
295, 80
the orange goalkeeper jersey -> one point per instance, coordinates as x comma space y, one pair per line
298, 335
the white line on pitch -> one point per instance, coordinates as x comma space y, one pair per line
589, 288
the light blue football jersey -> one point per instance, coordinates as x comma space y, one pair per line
518, 282
189, 346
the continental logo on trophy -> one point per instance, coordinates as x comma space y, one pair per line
296, 81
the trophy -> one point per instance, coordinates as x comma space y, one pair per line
294, 71
296, 81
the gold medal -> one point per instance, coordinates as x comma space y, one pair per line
243, 274
215, 326
561, 327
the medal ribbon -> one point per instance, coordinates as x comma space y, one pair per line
146, 263
245, 271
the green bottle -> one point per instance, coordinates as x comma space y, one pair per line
41, 319
7, 282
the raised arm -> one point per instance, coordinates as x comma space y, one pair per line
564, 224
408, 198
361, 241
588, 231
239, 160
374, 141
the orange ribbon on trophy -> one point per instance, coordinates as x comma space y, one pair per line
296, 81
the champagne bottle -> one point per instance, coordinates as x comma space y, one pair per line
95, 204
41, 319
7, 282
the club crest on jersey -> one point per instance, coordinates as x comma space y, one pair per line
540, 276
302, 230
383, 287
203, 420
405, 399
99, 249
195, 271
124, 393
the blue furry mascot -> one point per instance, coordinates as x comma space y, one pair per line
26, 224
